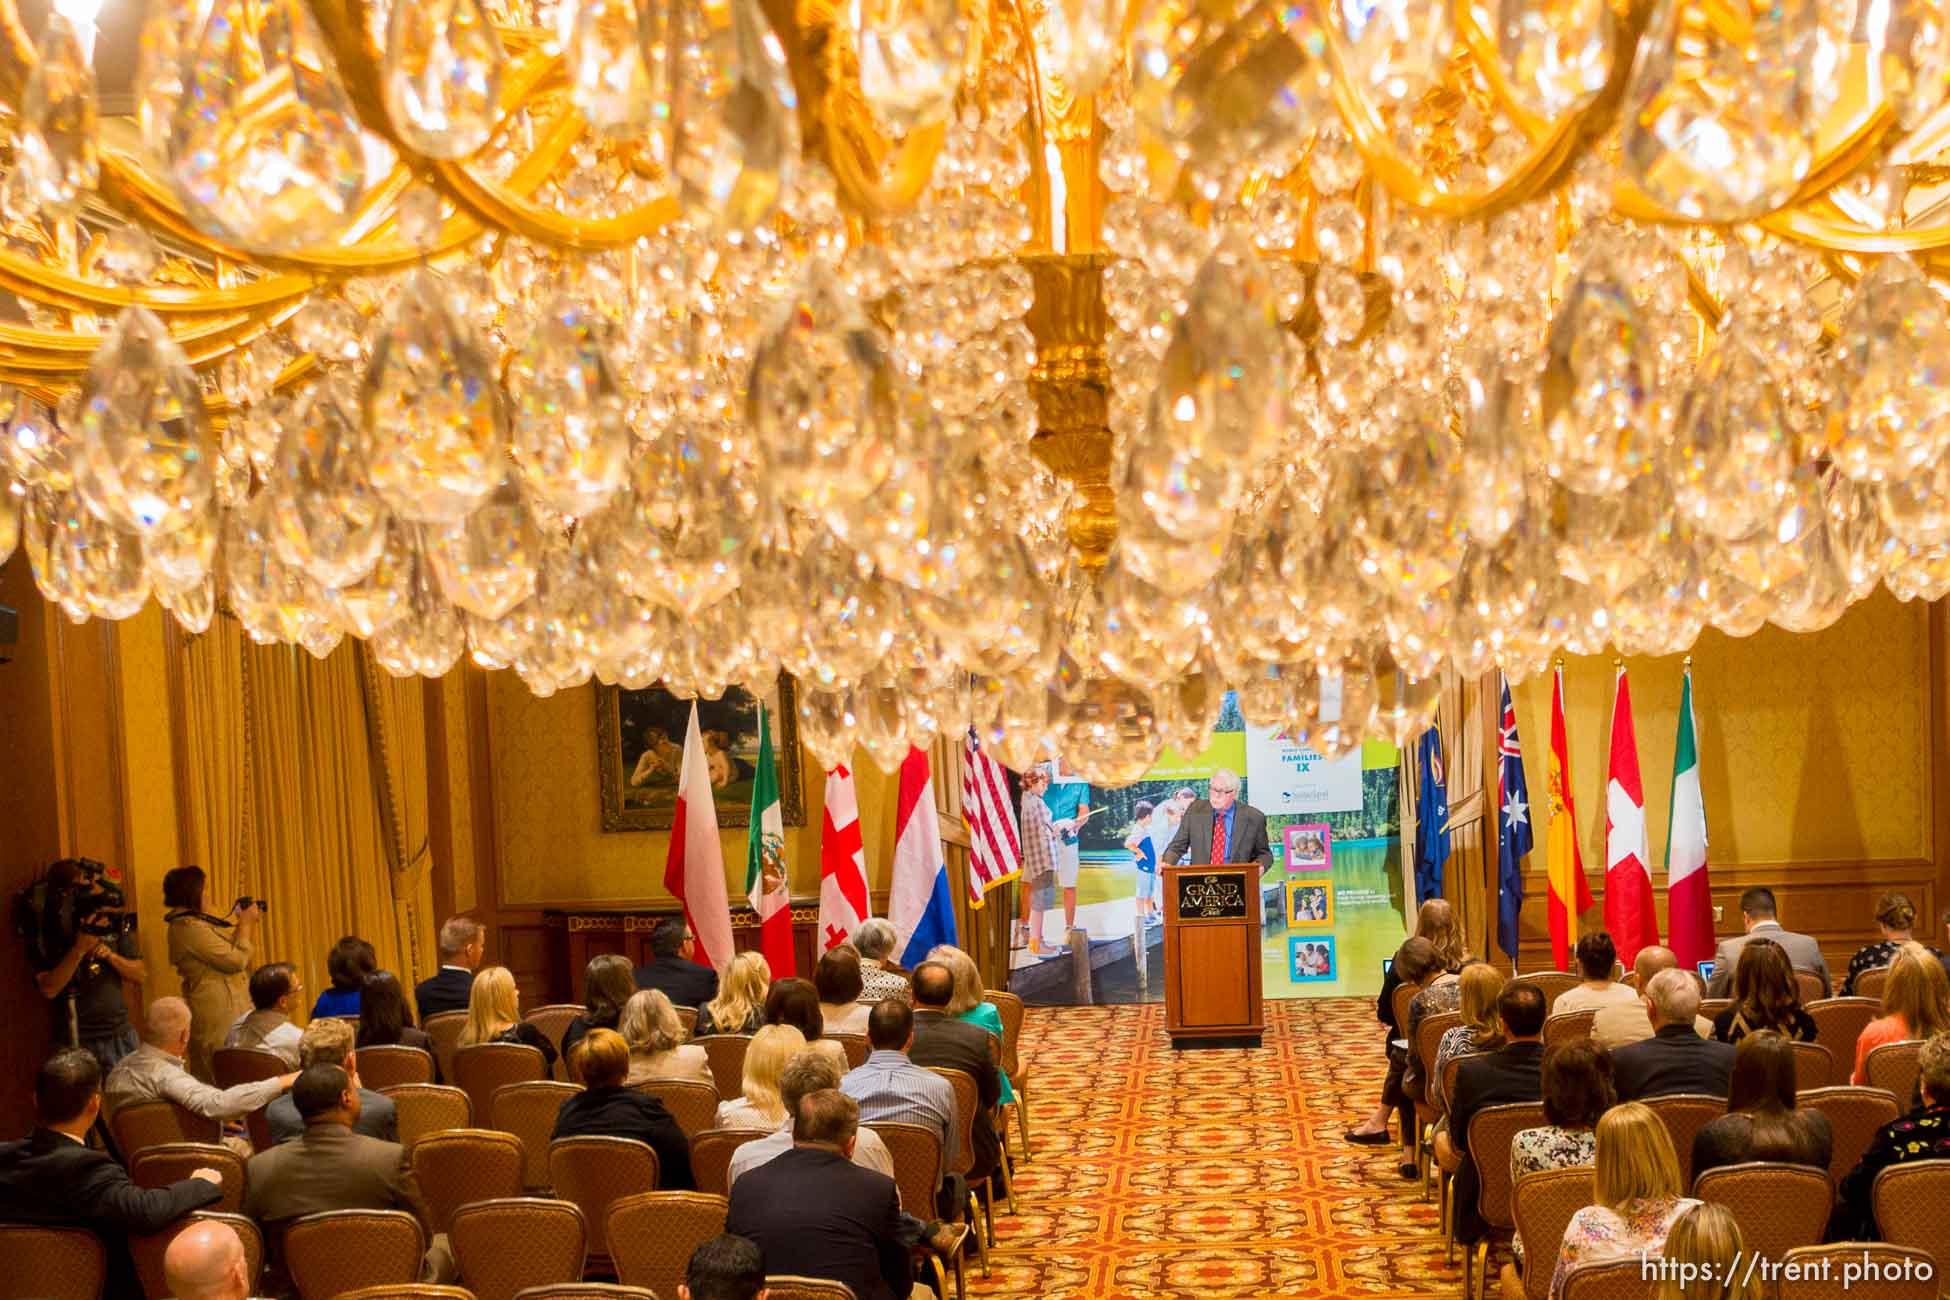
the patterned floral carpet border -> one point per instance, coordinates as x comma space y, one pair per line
1210, 1173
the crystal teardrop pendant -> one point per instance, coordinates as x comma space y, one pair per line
1892, 356
606, 47
1396, 49
57, 121
736, 122
910, 59
1555, 54
1733, 446
1079, 43
426, 637
689, 517
1599, 400
144, 436
486, 563
330, 521
570, 433
442, 75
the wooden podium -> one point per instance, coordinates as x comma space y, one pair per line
1212, 960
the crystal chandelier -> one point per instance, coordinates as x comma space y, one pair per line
1046, 366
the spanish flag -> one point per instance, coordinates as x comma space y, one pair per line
1564, 869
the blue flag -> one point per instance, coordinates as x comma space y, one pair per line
1431, 818
1513, 837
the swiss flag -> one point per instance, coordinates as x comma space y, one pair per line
1628, 879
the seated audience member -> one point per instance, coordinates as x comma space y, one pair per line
807, 1072
462, 941
942, 1040
349, 962
1626, 1022
1480, 1030
656, 1040
1513, 1072
267, 1027
971, 1003
156, 1072
891, 1088
724, 1267
759, 1106
1762, 1121
1675, 1058
1896, 918
1915, 1004
1597, 959
793, 1001
880, 975
837, 978
329, 1042
54, 1178
739, 1007
1639, 1195
1415, 962
384, 1020
673, 966
1757, 915
1577, 1090
606, 1108
1442, 992
815, 1213
1765, 996
606, 988
1921, 1135
1707, 1237
494, 1015
206, 1262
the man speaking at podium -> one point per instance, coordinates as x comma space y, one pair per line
1219, 829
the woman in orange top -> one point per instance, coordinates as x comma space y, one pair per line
1915, 1004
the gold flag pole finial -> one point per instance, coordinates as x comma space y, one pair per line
1687, 663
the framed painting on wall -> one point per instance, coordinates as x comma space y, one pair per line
640, 751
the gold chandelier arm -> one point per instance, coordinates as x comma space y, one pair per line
28, 353
877, 180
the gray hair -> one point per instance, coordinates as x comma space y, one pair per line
649, 1023
166, 1020
808, 1071
1933, 1064
456, 933
1224, 778
1676, 996
876, 937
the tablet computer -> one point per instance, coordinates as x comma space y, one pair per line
1706, 970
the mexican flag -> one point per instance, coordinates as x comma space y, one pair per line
765, 883
1689, 898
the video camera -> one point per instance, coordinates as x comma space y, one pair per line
68, 901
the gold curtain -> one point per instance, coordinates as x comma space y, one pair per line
305, 785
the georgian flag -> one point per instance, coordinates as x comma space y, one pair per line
921, 907
842, 863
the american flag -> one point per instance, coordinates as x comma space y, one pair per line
995, 849
1513, 838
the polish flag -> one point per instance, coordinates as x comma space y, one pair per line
1628, 878
842, 863
694, 871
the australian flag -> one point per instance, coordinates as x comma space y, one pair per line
1513, 837
1431, 819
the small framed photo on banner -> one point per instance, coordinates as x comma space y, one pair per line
1309, 847
1311, 959
1309, 904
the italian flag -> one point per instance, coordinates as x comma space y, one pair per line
1689, 898
765, 883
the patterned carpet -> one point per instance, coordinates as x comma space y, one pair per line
1210, 1173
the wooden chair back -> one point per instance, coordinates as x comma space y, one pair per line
336, 1251
1777, 1206
504, 1247
425, 1108
1568, 1027
692, 1104
1684, 1115
915, 1150
1625, 1279
785, 1286
1838, 1023
409, 1291
1491, 1131
1912, 1203
528, 1111
148, 1251
968, 1110
1541, 1205
1816, 1272
235, 1065
1855, 1115
153, 1123
586, 1291
1398, 1001
1710, 1008
857, 1047
711, 1152
726, 1053
172, 1162
1869, 983
481, 1069
53, 1263
553, 1020
1892, 1067
1809, 984
444, 1029
596, 1171
389, 1066
687, 1017
652, 1235
462, 1165
1814, 1066
1554, 983
1010, 1007
1428, 1037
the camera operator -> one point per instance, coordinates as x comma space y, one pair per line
85, 987
212, 954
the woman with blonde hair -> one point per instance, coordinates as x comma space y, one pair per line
1639, 1191
970, 1002
1480, 1031
761, 1107
1707, 1237
656, 1039
1915, 1004
494, 1015
739, 1007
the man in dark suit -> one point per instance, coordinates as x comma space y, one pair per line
462, 942
815, 1213
1241, 828
1675, 1058
940, 1040
672, 966
52, 1177
1512, 1073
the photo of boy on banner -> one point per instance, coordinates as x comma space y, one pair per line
1310, 904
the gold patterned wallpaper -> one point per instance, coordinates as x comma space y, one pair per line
1813, 747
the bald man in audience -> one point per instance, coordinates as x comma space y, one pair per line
1628, 1022
1675, 1058
206, 1262
156, 1072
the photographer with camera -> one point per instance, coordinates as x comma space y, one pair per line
212, 955
82, 946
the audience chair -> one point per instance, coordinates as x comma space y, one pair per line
1568, 1027
857, 1048
1712, 1007
463, 1165
652, 1235
1622, 1279
586, 1291
711, 1152
1815, 1272
148, 1251
408, 1291
1912, 1202
429, 1108
235, 1065
1778, 1206
1553, 983
687, 1017
784, 1286
968, 1113
1399, 1000
1684, 1115
1855, 1115
1428, 1038
553, 1020
596, 1171
915, 1150
1491, 1132
1809, 984
1010, 1008
53, 1263
386, 1067
1541, 1206
1814, 1066
1839, 1022
1869, 983
481, 1069
528, 1111
505, 1246
1892, 1068
726, 1053
152, 1123
692, 1104
444, 1029
159, 1166
342, 1250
